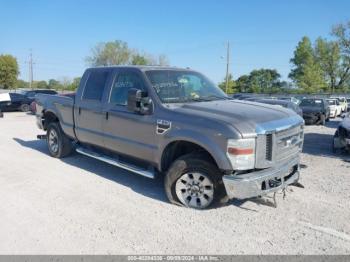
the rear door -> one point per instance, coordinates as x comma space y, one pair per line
126, 132
88, 106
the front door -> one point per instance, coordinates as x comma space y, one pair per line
126, 132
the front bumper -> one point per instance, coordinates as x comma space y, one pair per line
332, 114
311, 118
262, 182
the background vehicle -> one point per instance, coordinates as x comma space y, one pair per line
285, 103
291, 99
335, 107
341, 139
18, 102
171, 121
343, 103
32, 93
315, 110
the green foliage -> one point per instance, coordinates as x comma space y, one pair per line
119, 53
258, 81
231, 85
22, 84
41, 84
307, 72
54, 84
8, 71
327, 55
75, 84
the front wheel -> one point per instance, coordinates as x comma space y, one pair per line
24, 108
194, 182
58, 143
322, 120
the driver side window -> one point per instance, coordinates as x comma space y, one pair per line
123, 82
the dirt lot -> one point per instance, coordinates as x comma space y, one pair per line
81, 206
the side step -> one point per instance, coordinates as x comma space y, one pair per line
115, 162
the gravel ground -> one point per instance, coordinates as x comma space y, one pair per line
78, 205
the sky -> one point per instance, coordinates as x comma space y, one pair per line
262, 34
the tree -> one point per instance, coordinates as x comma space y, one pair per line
65, 81
8, 71
264, 81
75, 84
231, 85
41, 84
307, 73
163, 60
328, 56
138, 59
22, 84
119, 53
243, 84
342, 34
110, 53
54, 84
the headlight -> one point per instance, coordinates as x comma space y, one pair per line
241, 153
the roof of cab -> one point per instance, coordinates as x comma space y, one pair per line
141, 67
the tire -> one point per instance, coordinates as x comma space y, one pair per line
322, 120
58, 143
192, 181
24, 108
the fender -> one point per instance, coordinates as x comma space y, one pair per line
195, 137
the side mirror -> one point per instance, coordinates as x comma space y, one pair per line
138, 101
1, 114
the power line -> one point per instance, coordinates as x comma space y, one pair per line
227, 64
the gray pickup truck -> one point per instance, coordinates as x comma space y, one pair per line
175, 122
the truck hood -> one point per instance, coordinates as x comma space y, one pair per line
249, 118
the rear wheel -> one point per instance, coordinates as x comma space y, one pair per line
24, 108
194, 182
58, 143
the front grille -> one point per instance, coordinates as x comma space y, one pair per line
276, 147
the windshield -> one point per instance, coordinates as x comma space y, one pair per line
174, 86
311, 102
331, 102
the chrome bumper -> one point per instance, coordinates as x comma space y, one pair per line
262, 182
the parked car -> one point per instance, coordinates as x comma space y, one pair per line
334, 106
315, 110
291, 99
175, 122
343, 103
32, 93
341, 139
285, 103
16, 102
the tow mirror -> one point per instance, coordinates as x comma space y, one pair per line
138, 101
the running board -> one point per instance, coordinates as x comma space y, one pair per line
115, 162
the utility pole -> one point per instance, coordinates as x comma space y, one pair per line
227, 64
30, 70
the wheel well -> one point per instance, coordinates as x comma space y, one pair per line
177, 149
49, 117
